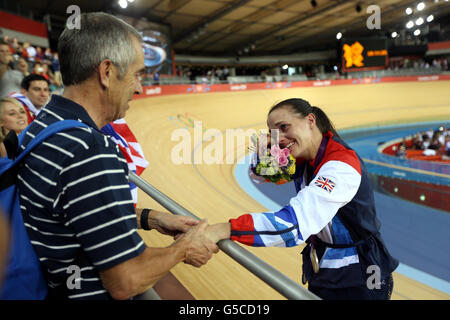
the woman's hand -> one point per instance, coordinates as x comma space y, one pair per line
219, 231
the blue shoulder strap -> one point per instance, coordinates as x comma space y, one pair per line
44, 134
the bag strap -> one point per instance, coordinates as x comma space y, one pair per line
44, 134
341, 246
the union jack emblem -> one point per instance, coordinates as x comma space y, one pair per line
325, 184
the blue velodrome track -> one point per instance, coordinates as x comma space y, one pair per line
418, 236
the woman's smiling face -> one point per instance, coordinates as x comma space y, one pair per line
13, 117
295, 132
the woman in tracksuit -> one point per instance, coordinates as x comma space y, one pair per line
333, 211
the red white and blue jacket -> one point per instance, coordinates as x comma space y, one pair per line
334, 208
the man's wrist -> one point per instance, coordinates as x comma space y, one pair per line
144, 219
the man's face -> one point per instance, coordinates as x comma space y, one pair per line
38, 93
5, 54
122, 90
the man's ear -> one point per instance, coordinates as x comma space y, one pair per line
105, 71
23, 91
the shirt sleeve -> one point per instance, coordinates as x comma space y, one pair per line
334, 185
96, 204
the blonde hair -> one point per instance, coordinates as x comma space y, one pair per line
14, 101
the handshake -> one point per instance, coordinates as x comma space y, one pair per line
196, 239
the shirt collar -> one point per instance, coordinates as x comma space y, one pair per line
69, 109
321, 152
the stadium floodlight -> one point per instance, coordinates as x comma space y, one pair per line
410, 24
420, 6
430, 18
339, 35
123, 4
419, 21
408, 11
130, 1
394, 34
417, 32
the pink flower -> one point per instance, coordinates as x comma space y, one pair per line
275, 151
285, 152
283, 160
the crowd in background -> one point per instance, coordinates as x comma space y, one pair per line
217, 73
433, 142
408, 63
27, 78
38, 60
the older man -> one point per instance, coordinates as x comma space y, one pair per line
74, 189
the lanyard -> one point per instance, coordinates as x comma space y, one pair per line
310, 170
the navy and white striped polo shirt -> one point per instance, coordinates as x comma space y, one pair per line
76, 202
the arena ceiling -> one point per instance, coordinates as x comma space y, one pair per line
256, 27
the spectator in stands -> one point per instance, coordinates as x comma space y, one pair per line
25, 47
401, 152
10, 79
31, 51
34, 95
9, 43
91, 198
425, 141
48, 55
447, 147
417, 142
16, 45
40, 70
39, 55
12, 117
156, 78
55, 67
434, 143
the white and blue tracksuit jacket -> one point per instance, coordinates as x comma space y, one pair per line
334, 208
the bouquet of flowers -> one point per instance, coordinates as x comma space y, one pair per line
272, 163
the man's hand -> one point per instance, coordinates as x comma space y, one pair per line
170, 224
199, 248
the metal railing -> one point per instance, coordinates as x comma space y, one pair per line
274, 278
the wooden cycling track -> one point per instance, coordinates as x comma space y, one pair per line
211, 190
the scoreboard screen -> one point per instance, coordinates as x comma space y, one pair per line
157, 44
364, 54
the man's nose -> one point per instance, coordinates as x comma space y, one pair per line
138, 89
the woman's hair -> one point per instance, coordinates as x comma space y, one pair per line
303, 108
3, 132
